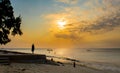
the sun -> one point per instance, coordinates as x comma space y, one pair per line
61, 23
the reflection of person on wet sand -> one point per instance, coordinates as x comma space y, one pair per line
33, 48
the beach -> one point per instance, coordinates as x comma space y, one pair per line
21, 62
46, 68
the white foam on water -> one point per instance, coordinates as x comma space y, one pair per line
101, 66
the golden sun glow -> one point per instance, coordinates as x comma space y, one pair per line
61, 23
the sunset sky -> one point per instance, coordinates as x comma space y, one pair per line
67, 23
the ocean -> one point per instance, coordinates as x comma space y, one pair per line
98, 58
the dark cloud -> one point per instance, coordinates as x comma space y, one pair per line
106, 23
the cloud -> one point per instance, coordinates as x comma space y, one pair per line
67, 36
103, 24
93, 17
111, 2
68, 1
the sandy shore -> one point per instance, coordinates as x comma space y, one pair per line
45, 68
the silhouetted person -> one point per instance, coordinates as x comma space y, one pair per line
74, 64
33, 48
51, 59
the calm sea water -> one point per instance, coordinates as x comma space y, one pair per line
107, 58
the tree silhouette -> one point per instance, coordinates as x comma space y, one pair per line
8, 23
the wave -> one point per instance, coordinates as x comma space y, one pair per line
93, 65
101, 66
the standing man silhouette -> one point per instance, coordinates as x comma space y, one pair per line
33, 48
74, 64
